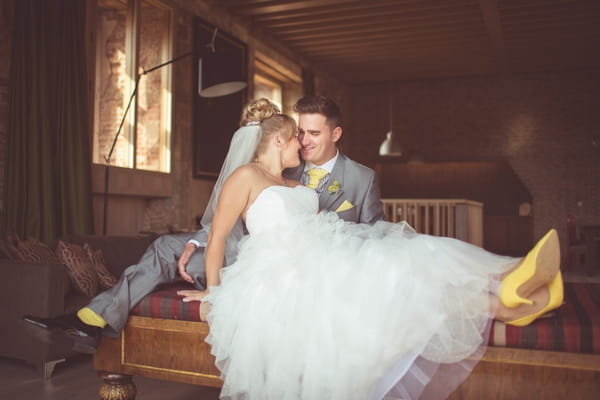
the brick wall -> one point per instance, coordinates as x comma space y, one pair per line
543, 124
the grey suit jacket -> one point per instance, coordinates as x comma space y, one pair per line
357, 185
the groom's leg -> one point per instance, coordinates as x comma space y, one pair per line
158, 265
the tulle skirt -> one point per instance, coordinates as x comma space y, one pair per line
318, 308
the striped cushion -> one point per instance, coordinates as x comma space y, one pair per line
574, 327
166, 303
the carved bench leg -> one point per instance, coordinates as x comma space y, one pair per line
117, 387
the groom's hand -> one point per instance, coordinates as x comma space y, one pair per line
188, 250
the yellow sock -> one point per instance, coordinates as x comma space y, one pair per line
89, 317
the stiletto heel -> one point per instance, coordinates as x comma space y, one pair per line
537, 268
556, 292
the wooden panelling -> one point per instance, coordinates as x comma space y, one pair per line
514, 374
161, 349
493, 183
508, 235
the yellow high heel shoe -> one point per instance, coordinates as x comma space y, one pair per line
538, 267
556, 292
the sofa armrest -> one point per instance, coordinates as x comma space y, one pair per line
37, 289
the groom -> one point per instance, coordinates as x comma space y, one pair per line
344, 186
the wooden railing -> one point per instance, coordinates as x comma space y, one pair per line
457, 218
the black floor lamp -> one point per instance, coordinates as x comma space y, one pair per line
217, 90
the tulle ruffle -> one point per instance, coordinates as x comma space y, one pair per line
317, 308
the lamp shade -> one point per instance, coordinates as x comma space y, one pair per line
222, 89
218, 89
390, 147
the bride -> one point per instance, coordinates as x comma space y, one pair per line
318, 308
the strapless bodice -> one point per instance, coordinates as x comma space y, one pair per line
280, 204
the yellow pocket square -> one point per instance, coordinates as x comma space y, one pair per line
346, 205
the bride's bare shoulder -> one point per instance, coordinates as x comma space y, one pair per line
246, 171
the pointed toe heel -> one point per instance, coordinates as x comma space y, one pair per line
539, 267
556, 295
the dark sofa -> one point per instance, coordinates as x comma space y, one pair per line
43, 290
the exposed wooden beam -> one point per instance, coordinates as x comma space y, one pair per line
358, 8
356, 25
250, 8
433, 47
383, 35
377, 10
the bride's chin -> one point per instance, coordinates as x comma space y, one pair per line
293, 163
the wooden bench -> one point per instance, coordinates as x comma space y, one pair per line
175, 350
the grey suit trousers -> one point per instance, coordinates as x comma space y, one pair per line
158, 265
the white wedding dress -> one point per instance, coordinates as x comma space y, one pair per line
317, 308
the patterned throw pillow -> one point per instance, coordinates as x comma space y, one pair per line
80, 269
34, 251
105, 278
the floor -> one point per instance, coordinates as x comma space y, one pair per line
76, 380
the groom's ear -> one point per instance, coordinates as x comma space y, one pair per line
336, 134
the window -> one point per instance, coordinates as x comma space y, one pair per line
265, 87
133, 36
277, 82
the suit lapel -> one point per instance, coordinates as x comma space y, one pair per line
326, 199
294, 173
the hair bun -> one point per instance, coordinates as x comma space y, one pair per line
258, 110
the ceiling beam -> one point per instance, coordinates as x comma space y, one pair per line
389, 19
327, 16
267, 7
385, 36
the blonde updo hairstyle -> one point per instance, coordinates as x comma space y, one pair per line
271, 122
257, 111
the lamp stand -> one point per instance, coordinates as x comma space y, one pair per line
218, 90
107, 158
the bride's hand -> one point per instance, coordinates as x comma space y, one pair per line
192, 295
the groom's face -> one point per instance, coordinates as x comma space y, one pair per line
317, 138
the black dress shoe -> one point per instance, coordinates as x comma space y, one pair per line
83, 338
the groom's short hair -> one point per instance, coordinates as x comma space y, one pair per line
320, 105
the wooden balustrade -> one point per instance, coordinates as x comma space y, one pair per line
457, 218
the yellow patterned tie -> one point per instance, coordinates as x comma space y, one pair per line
314, 177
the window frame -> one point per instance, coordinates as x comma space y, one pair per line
134, 71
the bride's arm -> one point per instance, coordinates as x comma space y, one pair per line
233, 201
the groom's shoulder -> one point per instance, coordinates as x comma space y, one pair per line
357, 168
